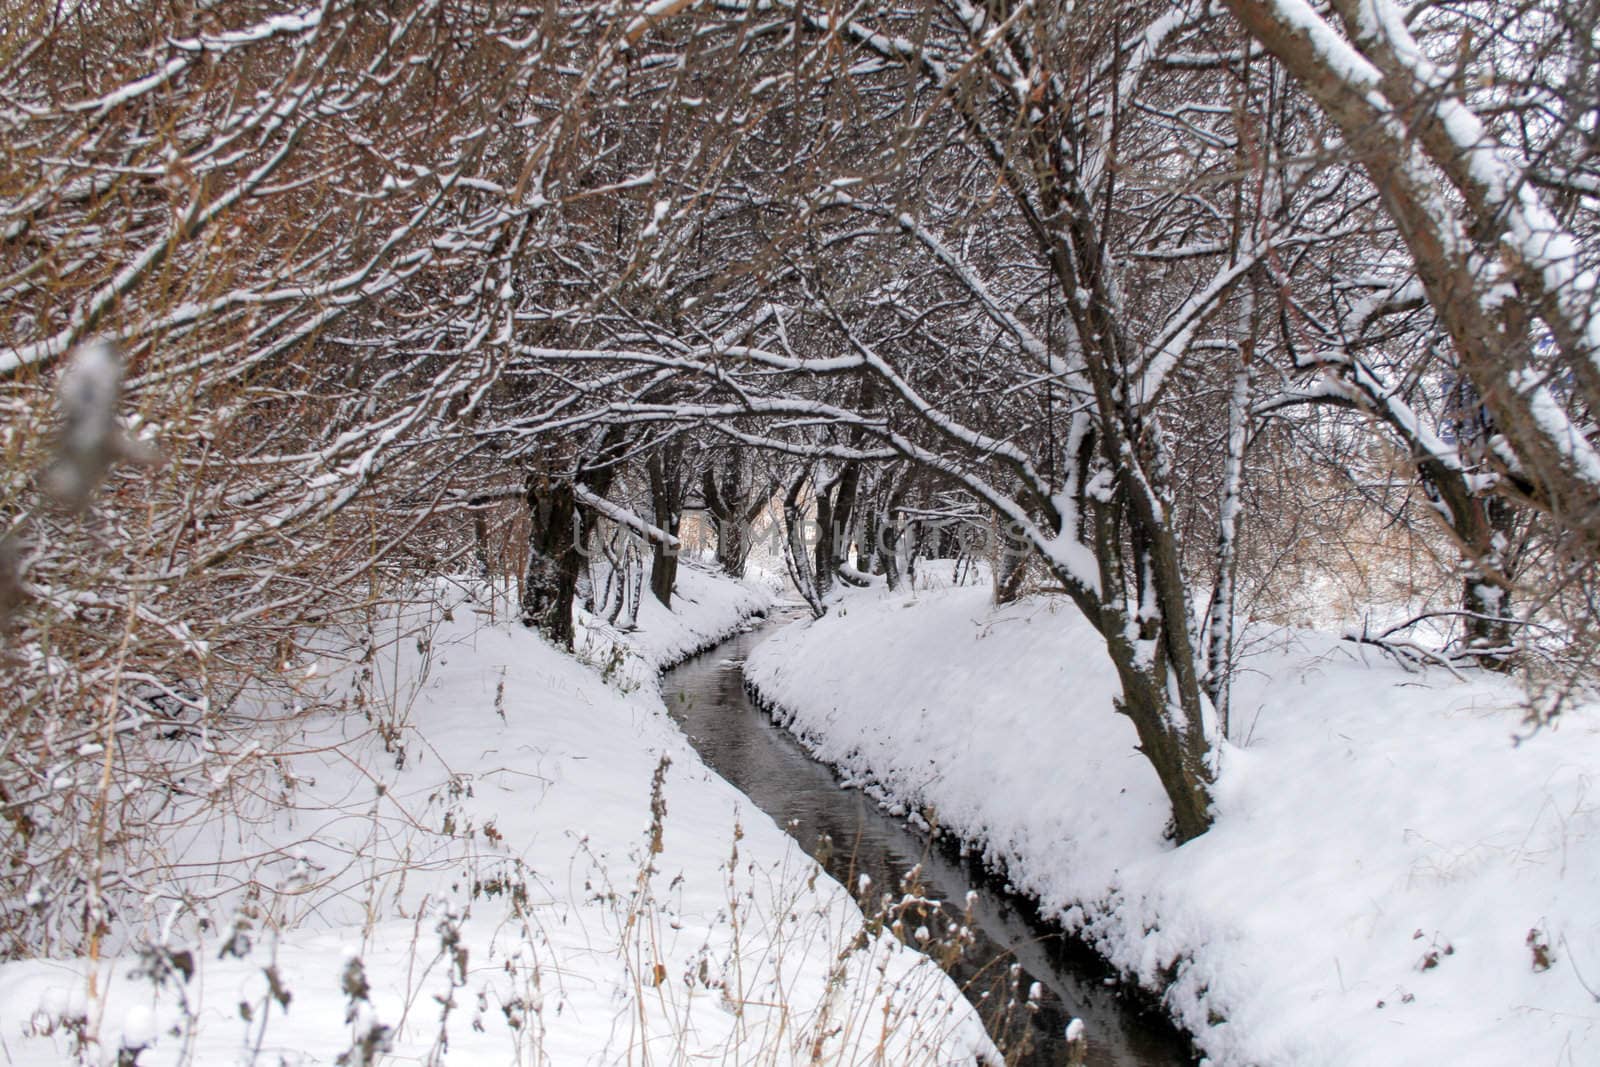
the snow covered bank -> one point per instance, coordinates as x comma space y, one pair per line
1391, 880
530, 866
706, 608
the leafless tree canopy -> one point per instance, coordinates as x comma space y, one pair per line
1187, 307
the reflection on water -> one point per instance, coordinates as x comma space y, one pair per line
847, 832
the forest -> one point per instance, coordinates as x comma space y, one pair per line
1187, 318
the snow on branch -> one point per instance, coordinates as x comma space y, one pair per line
623, 517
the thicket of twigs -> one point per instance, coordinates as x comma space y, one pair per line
261, 205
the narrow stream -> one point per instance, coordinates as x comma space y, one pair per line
848, 833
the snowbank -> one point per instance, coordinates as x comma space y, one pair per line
529, 866
706, 607
1391, 879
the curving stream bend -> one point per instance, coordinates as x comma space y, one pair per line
850, 836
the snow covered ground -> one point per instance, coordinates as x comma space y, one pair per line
528, 866
1392, 879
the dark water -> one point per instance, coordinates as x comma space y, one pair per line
850, 836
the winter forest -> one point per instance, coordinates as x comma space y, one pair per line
1143, 453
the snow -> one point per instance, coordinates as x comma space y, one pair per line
1387, 865
531, 866
1334, 50
623, 517
1567, 438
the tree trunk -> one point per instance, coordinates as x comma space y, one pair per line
551, 581
886, 546
1010, 563
890, 531
480, 541
664, 468
558, 530
867, 557
794, 544
733, 547
1487, 583
822, 567
734, 507
1220, 623
664, 571
1178, 756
